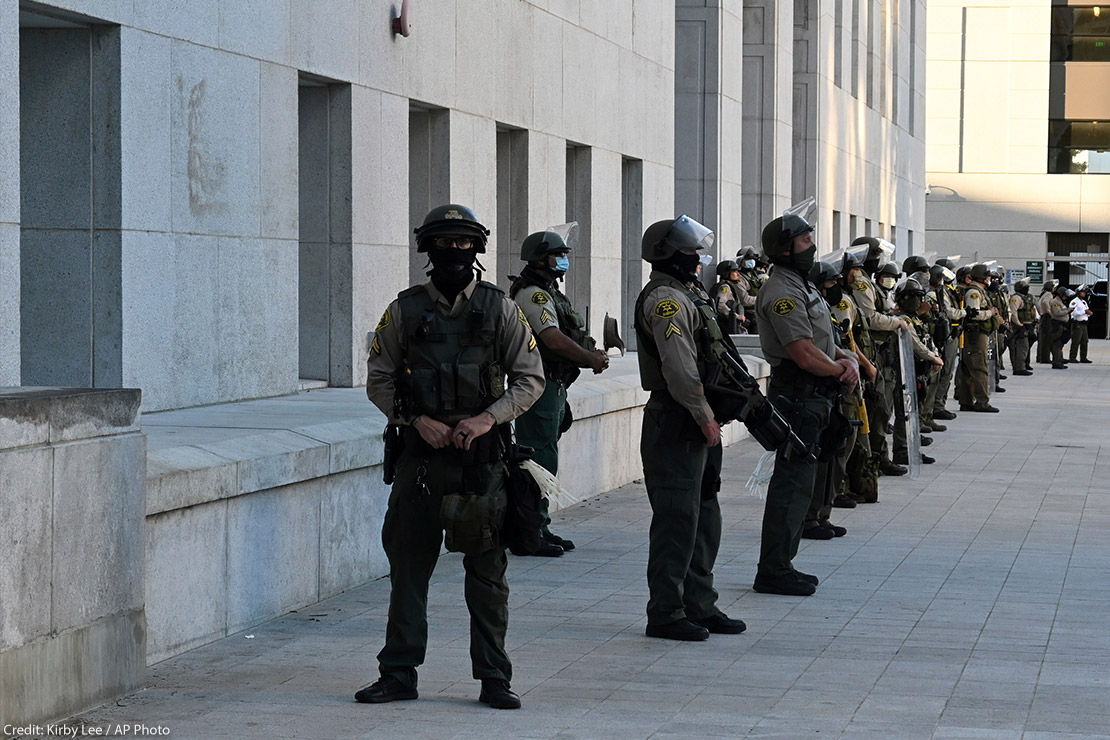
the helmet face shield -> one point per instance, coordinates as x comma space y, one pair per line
686, 233
567, 232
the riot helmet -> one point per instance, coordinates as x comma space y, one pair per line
979, 272
1061, 291
914, 263
451, 220
938, 273
822, 272
725, 268
778, 235
539, 245
962, 273
1022, 286
663, 238
949, 262
1050, 286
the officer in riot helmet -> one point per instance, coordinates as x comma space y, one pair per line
680, 441
451, 362
728, 297
565, 348
972, 388
808, 374
1023, 316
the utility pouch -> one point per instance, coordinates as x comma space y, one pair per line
836, 434
470, 522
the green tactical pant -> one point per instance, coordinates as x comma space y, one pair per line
791, 488
538, 428
1019, 349
971, 376
682, 477
1056, 341
944, 382
1044, 339
1078, 340
412, 535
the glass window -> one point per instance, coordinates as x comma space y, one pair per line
1080, 34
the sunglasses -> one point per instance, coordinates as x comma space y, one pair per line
459, 242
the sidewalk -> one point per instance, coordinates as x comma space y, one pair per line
971, 603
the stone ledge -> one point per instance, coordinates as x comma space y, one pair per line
217, 452
40, 415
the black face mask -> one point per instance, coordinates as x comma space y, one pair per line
682, 266
834, 295
452, 269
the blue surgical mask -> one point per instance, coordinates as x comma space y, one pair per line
562, 264
749, 264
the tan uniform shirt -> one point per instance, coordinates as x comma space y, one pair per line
976, 297
538, 307
1043, 304
920, 350
724, 293
672, 319
790, 308
519, 357
873, 307
1015, 306
1059, 310
745, 286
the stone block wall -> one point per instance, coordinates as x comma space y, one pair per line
72, 516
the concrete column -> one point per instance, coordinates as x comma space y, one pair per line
72, 517
9, 194
768, 113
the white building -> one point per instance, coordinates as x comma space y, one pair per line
1018, 136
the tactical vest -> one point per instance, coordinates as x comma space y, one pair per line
570, 321
454, 364
1027, 313
708, 337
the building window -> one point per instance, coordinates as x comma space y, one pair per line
1080, 34
1079, 147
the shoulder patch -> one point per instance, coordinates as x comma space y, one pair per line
384, 322
667, 308
672, 330
546, 317
861, 288
539, 298
843, 305
783, 306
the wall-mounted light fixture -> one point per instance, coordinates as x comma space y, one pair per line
401, 21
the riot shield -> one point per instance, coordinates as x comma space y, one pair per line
992, 362
908, 386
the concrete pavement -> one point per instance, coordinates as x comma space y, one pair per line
971, 603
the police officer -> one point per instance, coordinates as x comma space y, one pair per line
680, 441
874, 308
1080, 314
808, 372
751, 280
564, 348
437, 367
1023, 316
1059, 315
950, 303
972, 387
910, 297
729, 297
1044, 325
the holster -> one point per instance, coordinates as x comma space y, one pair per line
394, 446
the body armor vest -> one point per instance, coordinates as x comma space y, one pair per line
1028, 311
570, 321
454, 364
707, 337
